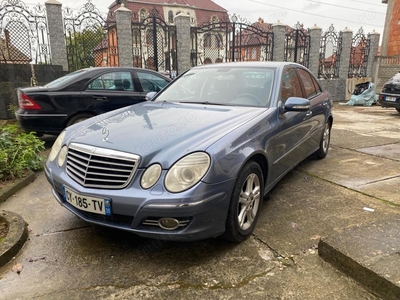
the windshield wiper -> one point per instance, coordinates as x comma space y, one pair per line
202, 103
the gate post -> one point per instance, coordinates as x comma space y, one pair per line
124, 36
279, 30
373, 51
347, 37
56, 34
182, 23
315, 43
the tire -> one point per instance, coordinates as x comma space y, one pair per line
245, 204
325, 141
78, 118
398, 110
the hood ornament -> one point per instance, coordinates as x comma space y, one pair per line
105, 132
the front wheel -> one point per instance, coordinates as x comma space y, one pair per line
245, 203
325, 141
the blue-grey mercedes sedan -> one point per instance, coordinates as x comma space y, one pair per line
197, 159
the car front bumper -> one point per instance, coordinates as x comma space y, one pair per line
202, 210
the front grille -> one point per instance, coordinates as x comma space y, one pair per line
100, 168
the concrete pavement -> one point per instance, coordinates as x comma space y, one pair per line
346, 207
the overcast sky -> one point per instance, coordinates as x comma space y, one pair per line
353, 14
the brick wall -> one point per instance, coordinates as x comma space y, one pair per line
393, 46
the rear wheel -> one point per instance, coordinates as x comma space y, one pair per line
325, 141
245, 203
78, 118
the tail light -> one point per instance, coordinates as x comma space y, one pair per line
26, 102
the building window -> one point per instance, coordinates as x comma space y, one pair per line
207, 41
142, 14
214, 19
170, 17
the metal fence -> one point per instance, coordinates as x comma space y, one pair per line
154, 42
23, 34
231, 40
329, 55
87, 36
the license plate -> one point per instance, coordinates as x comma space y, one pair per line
88, 203
391, 99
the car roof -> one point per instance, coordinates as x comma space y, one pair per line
256, 64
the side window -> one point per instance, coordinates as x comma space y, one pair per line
151, 82
308, 84
290, 85
121, 81
316, 85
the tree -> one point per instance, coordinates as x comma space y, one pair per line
82, 47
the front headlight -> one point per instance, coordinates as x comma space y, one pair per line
56, 146
186, 172
150, 176
62, 156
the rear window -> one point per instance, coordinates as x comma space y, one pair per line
60, 81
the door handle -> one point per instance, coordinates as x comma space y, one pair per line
308, 115
99, 98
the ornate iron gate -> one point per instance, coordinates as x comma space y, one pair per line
297, 45
224, 41
329, 54
154, 43
88, 37
359, 55
23, 34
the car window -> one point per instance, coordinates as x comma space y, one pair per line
290, 85
244, 86
308, 84
65, 79
151, 82
119, 81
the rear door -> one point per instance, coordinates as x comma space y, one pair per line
112, 90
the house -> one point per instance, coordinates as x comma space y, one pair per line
10, 54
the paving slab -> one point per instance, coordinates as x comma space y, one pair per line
391, 151
370, 254
359, 171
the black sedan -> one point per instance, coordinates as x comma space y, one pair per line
390, 95
83, 94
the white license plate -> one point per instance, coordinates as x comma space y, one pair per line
391, 99
88, 203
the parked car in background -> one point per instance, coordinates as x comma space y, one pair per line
83, 94
197, 160
390, 95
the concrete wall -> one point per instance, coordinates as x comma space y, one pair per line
14, 76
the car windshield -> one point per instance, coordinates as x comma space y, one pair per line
222, 86
59, 81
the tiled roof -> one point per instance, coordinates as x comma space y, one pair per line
204, 9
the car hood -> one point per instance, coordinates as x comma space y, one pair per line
161, 132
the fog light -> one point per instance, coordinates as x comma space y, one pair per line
168, 223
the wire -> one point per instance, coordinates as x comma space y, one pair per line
380, 5
316, 15
335, 5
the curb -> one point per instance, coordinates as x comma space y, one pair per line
16, 186
16, 236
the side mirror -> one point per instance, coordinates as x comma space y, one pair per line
297, 104
150, 96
